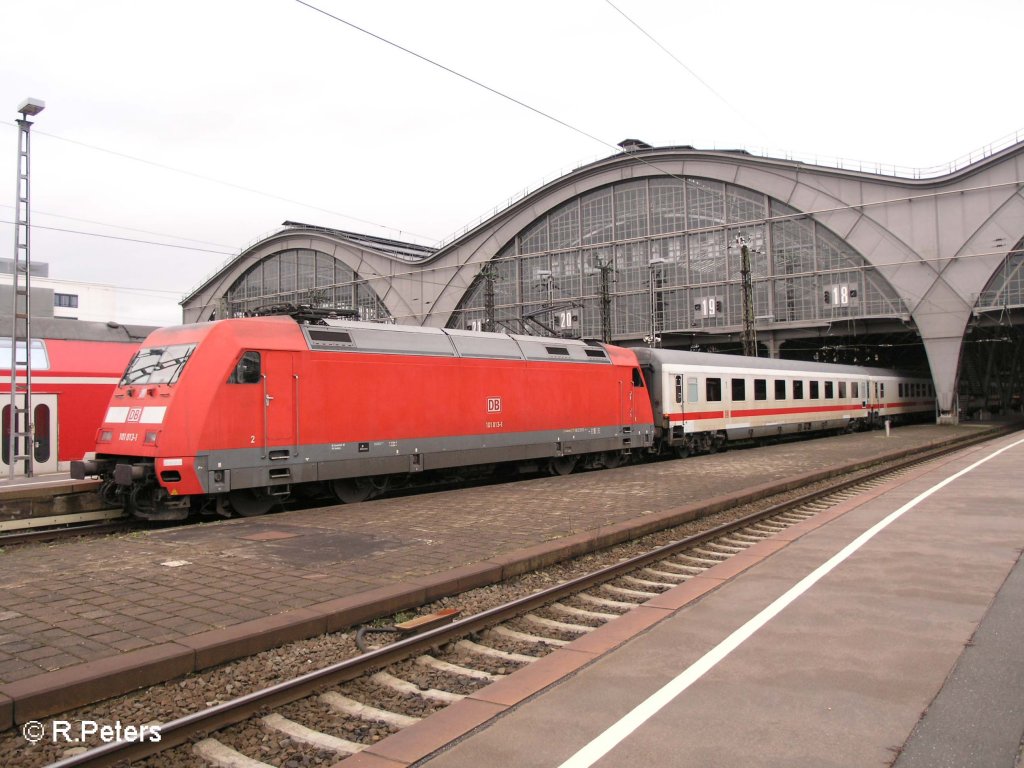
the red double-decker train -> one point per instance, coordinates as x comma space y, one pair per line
75, 368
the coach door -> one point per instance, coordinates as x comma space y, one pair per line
280, 404
44, 449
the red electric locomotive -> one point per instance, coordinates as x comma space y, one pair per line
75, 365
234, 415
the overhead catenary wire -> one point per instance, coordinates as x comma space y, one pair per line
473, 81
679, 61
37, 212
214, 180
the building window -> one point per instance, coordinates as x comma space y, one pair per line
65, 300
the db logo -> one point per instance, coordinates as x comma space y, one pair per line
135, 414
494, 405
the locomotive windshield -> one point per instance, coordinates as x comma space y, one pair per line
157, 365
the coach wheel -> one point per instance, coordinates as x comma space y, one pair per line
251, 502
562, 465
682, 450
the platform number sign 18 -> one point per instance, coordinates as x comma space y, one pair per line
841, 295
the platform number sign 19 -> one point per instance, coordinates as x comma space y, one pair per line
708, 307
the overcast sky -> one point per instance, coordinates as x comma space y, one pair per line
207, 123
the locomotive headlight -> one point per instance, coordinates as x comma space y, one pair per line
151, 438
105, 436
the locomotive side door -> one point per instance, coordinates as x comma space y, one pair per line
279, 402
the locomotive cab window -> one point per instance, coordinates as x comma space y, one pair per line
157, 365
248, 370
638, 379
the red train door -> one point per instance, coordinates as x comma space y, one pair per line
279, 400
44, 420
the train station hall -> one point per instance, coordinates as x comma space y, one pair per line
709, 250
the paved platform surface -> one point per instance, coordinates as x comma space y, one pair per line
89, 619
826, 652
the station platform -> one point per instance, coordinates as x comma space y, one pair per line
885, 631
88, 619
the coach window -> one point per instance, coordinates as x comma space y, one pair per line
855, 390
881, 391
798, 390
842, 390
760, 389
815, 390
713, 390
739, 390
692, 392
780, 389
829, 390
248, 369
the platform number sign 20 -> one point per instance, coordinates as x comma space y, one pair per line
494, 405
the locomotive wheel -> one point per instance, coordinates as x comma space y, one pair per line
611, 459
682, 450
562, 465
251, 502
352, 490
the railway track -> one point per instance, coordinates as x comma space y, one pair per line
324, 715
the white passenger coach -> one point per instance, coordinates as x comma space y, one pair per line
701, 400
